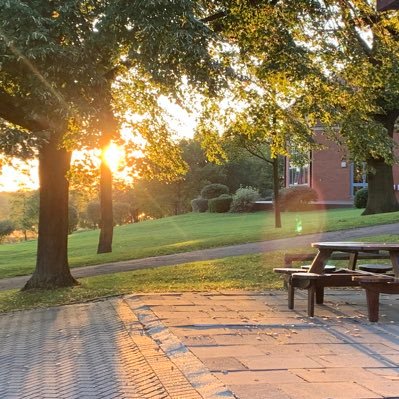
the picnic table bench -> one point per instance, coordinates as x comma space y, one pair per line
320, 275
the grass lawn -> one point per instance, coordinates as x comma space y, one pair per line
253, 272
250, 272
186, 233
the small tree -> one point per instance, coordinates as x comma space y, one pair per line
73, 219
93, 214
6, 228
122, 213
25, 212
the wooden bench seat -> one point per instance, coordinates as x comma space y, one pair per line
374, 286
315, 283
375, 268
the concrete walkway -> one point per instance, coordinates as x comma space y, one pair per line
212, 345
216, 253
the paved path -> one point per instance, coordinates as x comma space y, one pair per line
261, 350
215, 345
216, 253
95, 350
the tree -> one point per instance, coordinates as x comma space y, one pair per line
345, 55
73, 219
53, 61
6, 228
25, 211
121, 213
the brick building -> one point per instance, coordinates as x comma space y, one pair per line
335, 179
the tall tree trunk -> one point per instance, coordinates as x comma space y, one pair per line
107, 219
381, 194
52, 268
276, 187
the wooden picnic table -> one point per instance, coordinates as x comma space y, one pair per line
373, 284
325, 249
369, 276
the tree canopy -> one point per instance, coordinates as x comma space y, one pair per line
61, 65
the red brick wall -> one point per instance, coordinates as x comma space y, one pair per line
332, 181
329, 178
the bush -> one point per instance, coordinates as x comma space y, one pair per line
199, 205
361, 197
6, 228
220, 204
243, 199
297, 198
214, 191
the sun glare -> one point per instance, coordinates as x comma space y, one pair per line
113, 156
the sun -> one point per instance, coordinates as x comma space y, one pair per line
113, 156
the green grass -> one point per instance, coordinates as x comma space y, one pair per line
250, 272
253, 272
186, 233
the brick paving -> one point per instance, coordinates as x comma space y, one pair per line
261, 350
202, 345
94, 350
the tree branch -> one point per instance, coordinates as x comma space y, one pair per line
14, 113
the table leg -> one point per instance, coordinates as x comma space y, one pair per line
319, 295
373, 304
320, 260
311, 295
394, 255
352, 260
291, 293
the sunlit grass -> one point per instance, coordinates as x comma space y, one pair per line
253, 272
186, 233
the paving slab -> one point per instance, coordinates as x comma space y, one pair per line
260, 349
148, 346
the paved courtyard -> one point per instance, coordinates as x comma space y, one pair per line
202, 345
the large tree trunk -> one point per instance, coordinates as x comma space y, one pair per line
52, 270
276, 187
381, 194
107, 218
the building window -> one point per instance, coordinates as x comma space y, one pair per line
298, 175
358, 176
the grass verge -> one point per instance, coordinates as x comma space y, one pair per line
254, 272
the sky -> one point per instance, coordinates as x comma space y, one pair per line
11, 179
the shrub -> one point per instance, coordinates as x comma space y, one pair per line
199, 205
268, 194
361, 197
6, 228
297, 198
214, 191
243, 199
220, 204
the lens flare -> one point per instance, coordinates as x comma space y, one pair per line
298, 225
